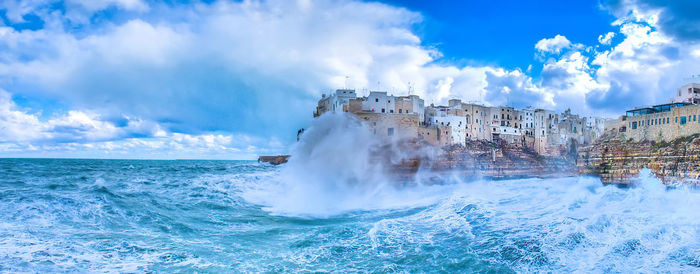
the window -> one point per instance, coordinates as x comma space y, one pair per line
376, 100
634, 125
676, 119
683, 120
391, 111
400, 111
390, 131
383, 110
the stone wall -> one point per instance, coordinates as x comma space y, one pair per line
435, 135
663, 126
391, 125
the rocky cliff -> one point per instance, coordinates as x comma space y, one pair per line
616, 160
486, 159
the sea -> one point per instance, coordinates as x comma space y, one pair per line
331, 209
73, 215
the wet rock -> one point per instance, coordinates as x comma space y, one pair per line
275, 160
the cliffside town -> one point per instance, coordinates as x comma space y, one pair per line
502, 141
406, 117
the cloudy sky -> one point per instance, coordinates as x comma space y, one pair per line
234, 79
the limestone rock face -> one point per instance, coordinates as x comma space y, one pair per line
490, 160
618, 161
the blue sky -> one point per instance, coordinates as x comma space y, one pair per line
503, 32
234, 79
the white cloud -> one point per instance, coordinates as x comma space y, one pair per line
553, 45
207, 69
252, 71
97, 5
606, 39
77, 11
79, 134
16, 125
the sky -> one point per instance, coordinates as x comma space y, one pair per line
235, 79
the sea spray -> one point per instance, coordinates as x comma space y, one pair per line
334, 168
197, 216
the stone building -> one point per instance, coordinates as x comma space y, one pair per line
410, 104
453, 117
435, 135
476, 116
657, 123
390, 117
391, 127
545, 125
664, 122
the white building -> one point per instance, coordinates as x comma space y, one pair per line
528, 121
458, 125
410, 104
340, 98
688, 93
379, 102
334, 102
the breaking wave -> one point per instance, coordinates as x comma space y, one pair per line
328, 210
332, 171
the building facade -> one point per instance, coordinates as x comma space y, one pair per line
399, 117
688, 93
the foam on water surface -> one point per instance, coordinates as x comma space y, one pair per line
319, 213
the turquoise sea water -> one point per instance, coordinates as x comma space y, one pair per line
229, 216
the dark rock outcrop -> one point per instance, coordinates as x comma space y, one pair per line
275, 160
